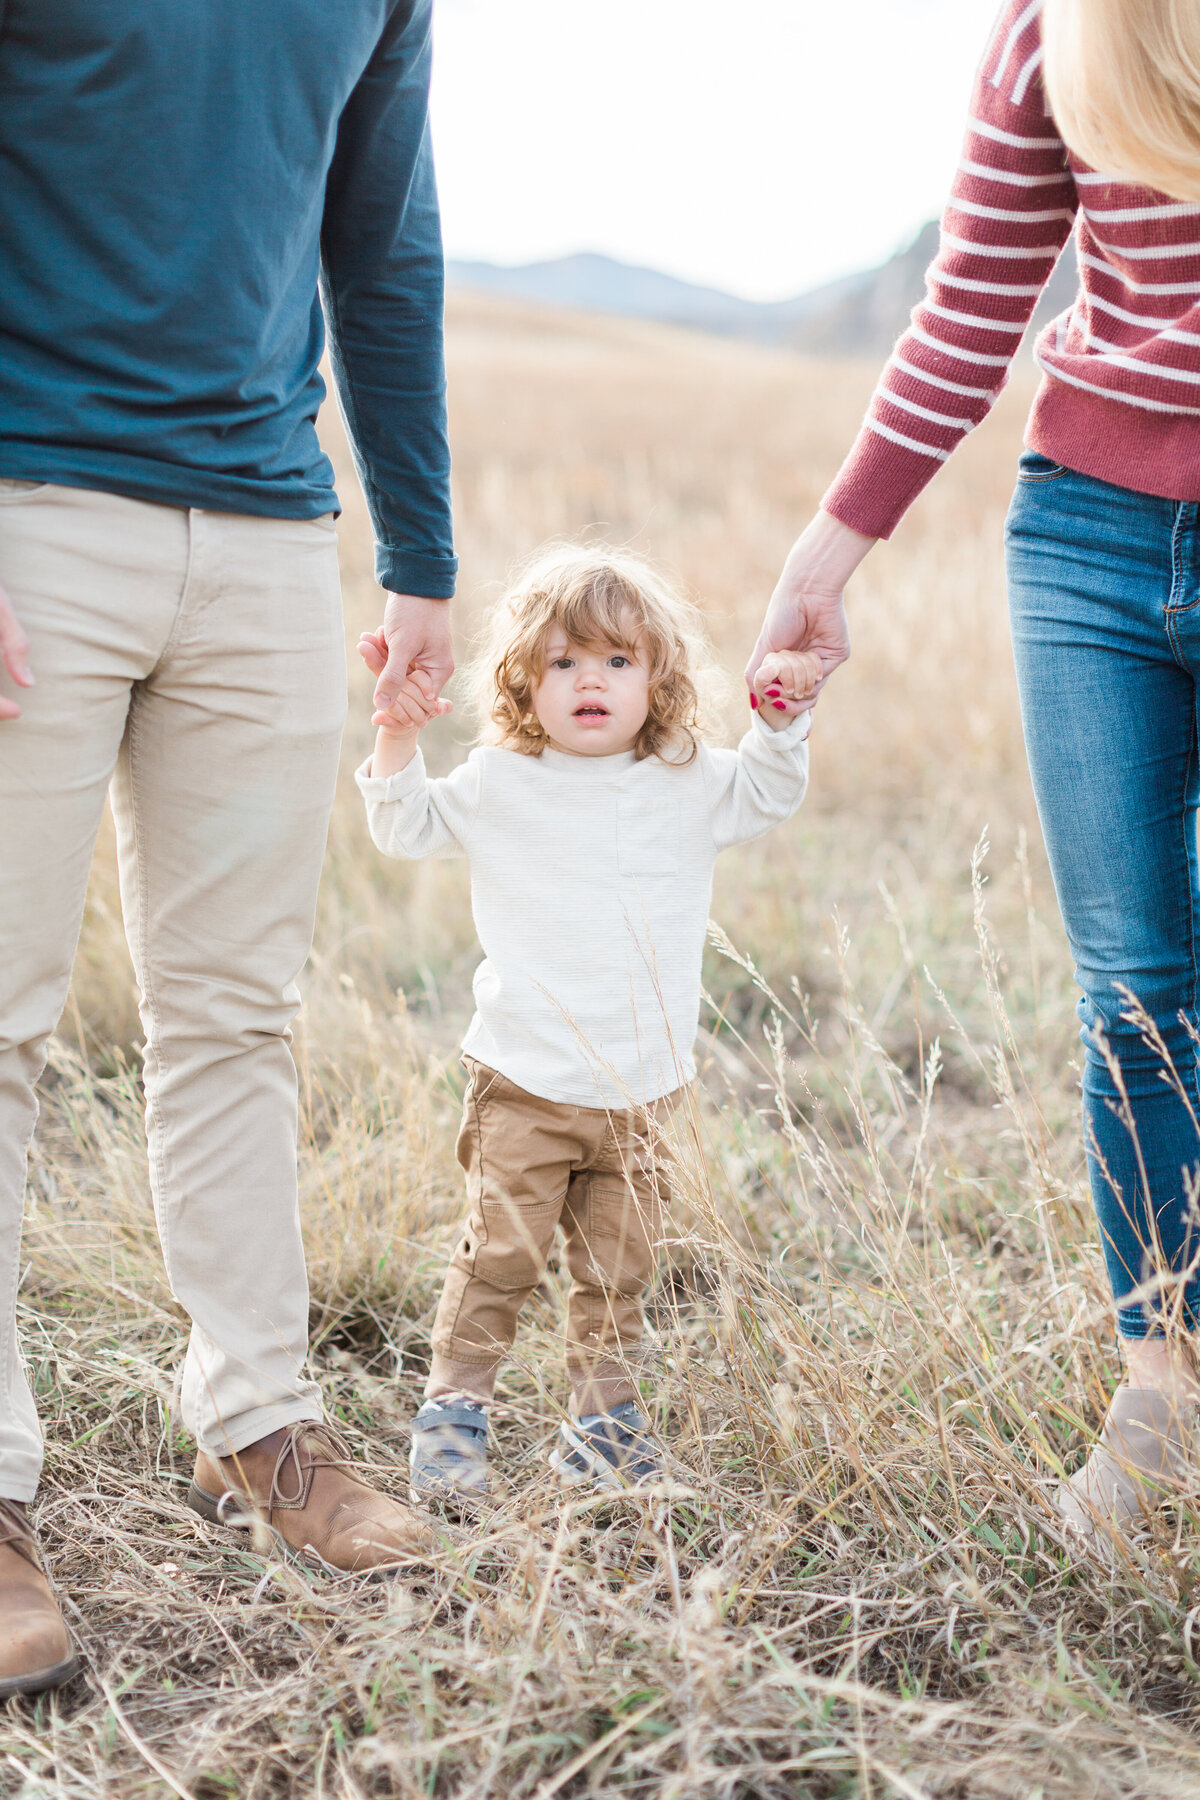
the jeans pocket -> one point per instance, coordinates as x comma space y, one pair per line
1033, 466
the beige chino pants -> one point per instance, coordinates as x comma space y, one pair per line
196, 660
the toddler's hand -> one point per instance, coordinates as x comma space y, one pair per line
785, 685
414, 706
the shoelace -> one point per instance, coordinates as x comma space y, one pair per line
15, 1529
290, 1450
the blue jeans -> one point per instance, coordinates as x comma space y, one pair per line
1104, 592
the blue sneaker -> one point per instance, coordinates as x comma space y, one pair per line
448, 1459
607, 1451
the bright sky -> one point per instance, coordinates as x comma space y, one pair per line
761, 146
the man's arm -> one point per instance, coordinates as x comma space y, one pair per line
382, 286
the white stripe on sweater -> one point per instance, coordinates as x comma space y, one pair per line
1174, 334
951, 387
983, 129
1153, 253
961, 318
922, 412
1010, 42
897, 437
1011, 177
1013, 252
1120, 395
1153, 320
952, 353
1140, 287
1128, 215
1007, 216
988, 287
1090, 178
1119, 358
1026, 76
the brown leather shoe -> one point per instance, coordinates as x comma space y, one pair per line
300, 1483
35, 1648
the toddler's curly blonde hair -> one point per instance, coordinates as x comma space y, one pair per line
595, 595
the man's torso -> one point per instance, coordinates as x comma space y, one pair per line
162, 176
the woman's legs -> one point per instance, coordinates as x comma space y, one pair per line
1102, 586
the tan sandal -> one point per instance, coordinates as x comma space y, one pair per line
1148, 1454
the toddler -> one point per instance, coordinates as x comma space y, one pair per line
591, 821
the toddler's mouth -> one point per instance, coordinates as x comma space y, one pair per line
590, 712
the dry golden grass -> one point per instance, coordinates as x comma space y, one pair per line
882, 1323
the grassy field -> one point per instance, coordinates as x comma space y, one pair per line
882, 1324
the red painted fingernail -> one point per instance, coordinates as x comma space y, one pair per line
754, 699
773, 691
779, 706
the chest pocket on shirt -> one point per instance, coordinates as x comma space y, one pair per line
647, 838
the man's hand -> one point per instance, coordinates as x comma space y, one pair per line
14, 652
415, 635
414, 706
806, 611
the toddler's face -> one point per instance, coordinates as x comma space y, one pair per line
592, 699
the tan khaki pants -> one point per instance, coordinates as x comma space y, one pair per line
531, 1166
196, 660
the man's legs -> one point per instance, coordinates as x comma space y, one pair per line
222, 797
95, 582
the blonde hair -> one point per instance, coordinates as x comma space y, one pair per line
1123, 81
594, 595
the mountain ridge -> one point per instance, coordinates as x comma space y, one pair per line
857, 315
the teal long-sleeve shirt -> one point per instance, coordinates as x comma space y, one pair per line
182, 182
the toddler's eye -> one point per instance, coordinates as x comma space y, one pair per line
618, 662
562, 662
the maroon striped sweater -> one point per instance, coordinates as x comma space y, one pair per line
1120, 394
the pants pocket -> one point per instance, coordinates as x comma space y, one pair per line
13, 489
1033, 466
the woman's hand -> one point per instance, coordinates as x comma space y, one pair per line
787, 682
14, 653
806, 611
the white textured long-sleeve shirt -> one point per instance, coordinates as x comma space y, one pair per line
591, 881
